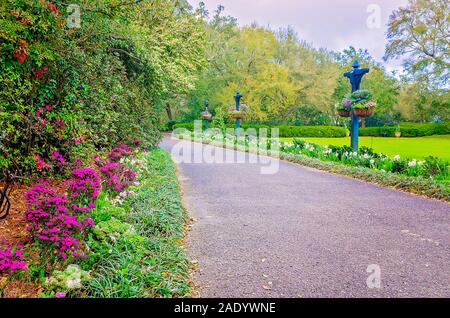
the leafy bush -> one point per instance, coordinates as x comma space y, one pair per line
75, 90
312, 131
408, 130
378, 131
52, 221
83, 189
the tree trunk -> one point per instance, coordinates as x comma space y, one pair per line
169, 112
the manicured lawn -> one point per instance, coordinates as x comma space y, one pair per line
418, 148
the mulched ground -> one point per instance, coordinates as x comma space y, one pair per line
13, 230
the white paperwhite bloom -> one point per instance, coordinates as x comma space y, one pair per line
372, 161
412, 163
74, 282
354, 154
309, 147
366, 156
420, 162
397, 157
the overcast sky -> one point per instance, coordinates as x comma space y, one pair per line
334, 24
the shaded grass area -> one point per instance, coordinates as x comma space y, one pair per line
412, 148
136, 247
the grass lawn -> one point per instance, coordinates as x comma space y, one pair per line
418, 148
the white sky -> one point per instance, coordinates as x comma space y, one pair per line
333, 24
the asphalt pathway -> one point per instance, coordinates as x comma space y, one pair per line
302, 232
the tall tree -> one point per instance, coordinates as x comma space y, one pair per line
421, 33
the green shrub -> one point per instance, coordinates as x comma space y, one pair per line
408, 130
312, 131
378, 131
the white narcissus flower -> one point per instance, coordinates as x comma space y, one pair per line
372, 161
74, 283
397, 157
412, 163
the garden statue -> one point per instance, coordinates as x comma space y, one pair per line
355, 78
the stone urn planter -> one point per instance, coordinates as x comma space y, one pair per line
398, 134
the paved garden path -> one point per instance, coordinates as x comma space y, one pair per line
306, 233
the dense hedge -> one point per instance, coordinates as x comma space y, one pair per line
65, 92
408, 130
286, 131
312, 131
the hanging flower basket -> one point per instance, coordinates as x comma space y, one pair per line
206, 115
344, 108
364, 109
236, 114
343, 113
364, 112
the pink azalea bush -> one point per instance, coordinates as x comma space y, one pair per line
120, 152
52, 220
60, 220
84, 186
117, 176
11, 259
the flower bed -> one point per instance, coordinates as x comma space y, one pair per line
74, 224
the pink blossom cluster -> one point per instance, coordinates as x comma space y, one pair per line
84, 186
58, 158
52, 219
117, 175
40, 163
11, 259
120, 152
